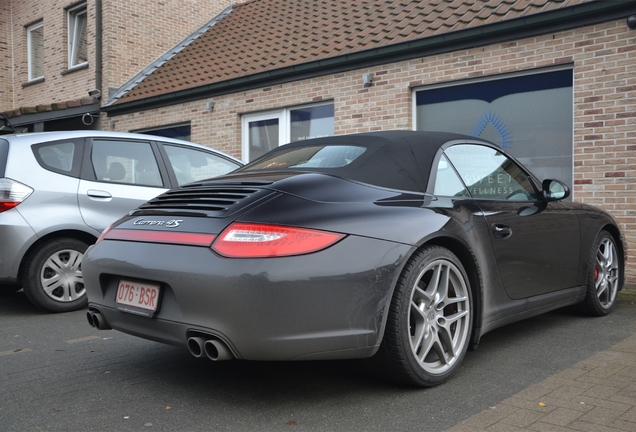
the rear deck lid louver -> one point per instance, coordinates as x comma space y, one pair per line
211, 200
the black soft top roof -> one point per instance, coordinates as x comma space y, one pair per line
394, 159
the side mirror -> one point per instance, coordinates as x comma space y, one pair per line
555, 190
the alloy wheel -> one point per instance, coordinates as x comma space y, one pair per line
439, 316
606, 272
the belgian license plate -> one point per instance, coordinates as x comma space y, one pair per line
137, 294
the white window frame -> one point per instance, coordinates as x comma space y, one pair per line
283, 132
284, 124
30, 30
73, 32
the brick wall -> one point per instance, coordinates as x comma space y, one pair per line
605, 123
56, 87
603, 58
134, 34
6, 86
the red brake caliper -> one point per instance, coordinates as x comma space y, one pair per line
595, 273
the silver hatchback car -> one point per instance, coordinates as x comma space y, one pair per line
60, 190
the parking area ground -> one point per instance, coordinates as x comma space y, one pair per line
558, 371
597, 394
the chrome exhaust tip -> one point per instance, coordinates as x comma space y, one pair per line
217, 350
96, 320
89, 317
195, 346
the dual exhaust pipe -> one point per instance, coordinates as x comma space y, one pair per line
97, 320
214, 349
199, 346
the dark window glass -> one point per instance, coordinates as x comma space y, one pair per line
77, 44
192, 165
125, 162
310, 157
263, 137
176, 132
4, 154
489, 174
58, 156
63, 157
447, 183
530, 116
311, 122
35, 49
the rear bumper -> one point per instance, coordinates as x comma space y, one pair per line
327, 305
16, 235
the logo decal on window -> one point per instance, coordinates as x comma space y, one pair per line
497, 123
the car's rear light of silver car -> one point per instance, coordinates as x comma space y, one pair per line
12, 193
250, 240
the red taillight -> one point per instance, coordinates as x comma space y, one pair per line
248, 240
7, 205
12, 193
190, 239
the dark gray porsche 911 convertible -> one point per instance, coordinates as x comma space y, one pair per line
402, 246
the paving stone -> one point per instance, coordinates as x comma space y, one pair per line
526, 404
567, 392
488, 417
630, 415
547, 427
573, 404
604, 391
596, 395
562, 416
523, 417
602, 416
589, 427
502, 427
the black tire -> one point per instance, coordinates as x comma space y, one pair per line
604, 276
53, 276
9, 289
422, 345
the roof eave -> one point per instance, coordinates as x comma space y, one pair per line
533, 25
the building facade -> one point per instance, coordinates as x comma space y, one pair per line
58, 58
552, 82
556, 87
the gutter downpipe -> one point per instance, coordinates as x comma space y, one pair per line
98, 46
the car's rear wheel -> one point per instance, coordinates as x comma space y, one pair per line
430, 319
53, 275
604, 276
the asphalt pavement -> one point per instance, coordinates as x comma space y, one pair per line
558, 371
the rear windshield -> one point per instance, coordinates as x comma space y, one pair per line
4, 153
309, 157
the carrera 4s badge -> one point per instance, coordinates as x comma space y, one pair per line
168, 224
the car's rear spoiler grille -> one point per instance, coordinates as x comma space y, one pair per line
201, 199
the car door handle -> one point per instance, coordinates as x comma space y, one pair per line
501, 231
93, 193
